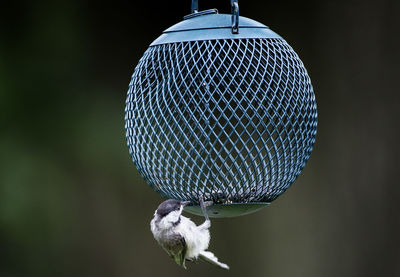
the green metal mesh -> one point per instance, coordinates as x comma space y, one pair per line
233, 121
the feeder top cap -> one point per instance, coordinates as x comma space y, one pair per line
211, 19
208, 25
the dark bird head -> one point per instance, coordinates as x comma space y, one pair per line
170, 205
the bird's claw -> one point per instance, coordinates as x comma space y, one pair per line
208, 203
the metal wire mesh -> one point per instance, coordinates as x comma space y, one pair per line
231, 120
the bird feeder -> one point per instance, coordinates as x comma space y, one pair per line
220, 107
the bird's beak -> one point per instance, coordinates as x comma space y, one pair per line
184, 203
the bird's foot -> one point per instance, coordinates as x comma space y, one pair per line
208, 203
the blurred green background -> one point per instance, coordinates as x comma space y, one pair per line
73, 204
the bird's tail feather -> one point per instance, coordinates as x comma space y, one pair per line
210, 257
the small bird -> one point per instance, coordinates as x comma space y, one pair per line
180, 237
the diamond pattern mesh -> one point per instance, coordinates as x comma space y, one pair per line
233, 121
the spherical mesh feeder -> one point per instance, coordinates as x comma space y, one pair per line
225, 114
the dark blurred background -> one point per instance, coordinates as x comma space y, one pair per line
73, 204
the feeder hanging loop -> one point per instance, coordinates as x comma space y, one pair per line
235, 16
195, 6
234, 11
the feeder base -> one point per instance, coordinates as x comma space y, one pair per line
227, 210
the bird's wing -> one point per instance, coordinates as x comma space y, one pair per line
176, 249
210, 257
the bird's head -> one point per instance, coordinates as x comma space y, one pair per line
169, 212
